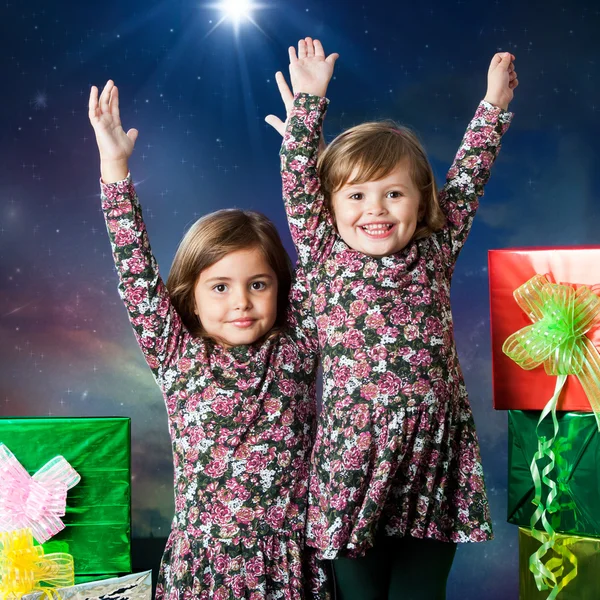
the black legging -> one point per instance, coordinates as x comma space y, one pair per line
396, 569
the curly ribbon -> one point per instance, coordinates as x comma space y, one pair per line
561, 317
35, 502
24, 567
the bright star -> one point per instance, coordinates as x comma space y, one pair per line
235, 11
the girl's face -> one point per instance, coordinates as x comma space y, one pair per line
236, 298
378, 218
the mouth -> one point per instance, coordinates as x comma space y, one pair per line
377, 231
243, 323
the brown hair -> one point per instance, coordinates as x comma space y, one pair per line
374, 149
212, 237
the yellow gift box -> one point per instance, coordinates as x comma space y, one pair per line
582, 585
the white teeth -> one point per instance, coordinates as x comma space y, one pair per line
377, 227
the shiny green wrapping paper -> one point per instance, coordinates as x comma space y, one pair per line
584, 586
577, 448
98, 512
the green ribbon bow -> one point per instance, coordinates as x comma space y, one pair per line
561, 316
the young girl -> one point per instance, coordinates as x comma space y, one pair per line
397, 479
237, 370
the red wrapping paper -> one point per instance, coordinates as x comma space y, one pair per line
514, 387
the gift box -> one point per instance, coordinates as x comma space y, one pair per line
583, 582
98, 512
137, 586
515, 387
577, 452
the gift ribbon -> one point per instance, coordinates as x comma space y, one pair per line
36, 502
561, 317
23, 567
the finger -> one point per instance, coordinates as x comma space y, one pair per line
301, 49
132, 134
512, 76
310, 47
276, 123
105, 95
513, 84
496, 59
292, 54
319, 49
114, 102
284, 90
332, 58
93, 102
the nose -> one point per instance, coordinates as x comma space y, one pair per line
241, 299
376, 206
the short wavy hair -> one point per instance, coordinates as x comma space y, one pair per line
372, 151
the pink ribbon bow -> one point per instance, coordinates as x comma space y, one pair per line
36, 501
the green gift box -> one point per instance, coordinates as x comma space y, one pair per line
98, 513
577, 452
583, 582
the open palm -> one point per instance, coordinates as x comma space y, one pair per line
310, 69
113, 143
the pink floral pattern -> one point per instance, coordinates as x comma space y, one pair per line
242, 425
396, 449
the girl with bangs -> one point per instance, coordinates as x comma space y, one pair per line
231, 342
397, 479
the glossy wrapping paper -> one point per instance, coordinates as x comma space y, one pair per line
514, 387
98, 513
577, 448
585, 586
137, 586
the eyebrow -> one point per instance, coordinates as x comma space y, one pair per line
258, 276
358, 185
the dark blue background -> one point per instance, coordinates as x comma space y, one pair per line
199, 100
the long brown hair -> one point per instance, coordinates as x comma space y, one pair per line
373, 150
212, 237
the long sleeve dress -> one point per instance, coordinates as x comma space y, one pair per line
242, 424
396, 451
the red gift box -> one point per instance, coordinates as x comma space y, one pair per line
514, 387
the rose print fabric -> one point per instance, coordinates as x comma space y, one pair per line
396, 451
242, 426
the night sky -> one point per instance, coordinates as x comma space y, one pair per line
198, 95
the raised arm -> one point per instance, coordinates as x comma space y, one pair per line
156, 324
310, 224
470, 170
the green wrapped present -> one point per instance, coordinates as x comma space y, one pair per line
98, 513
574, 560
137, 586
576, 509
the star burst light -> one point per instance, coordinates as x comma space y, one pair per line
236, 11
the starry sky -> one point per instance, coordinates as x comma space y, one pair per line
198, 91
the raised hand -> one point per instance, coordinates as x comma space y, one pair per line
310, 69
502, 80
288, 101
114, 144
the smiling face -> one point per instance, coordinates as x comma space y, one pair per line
378, 218
236, 298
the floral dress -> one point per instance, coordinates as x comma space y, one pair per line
396, 451
242, 425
